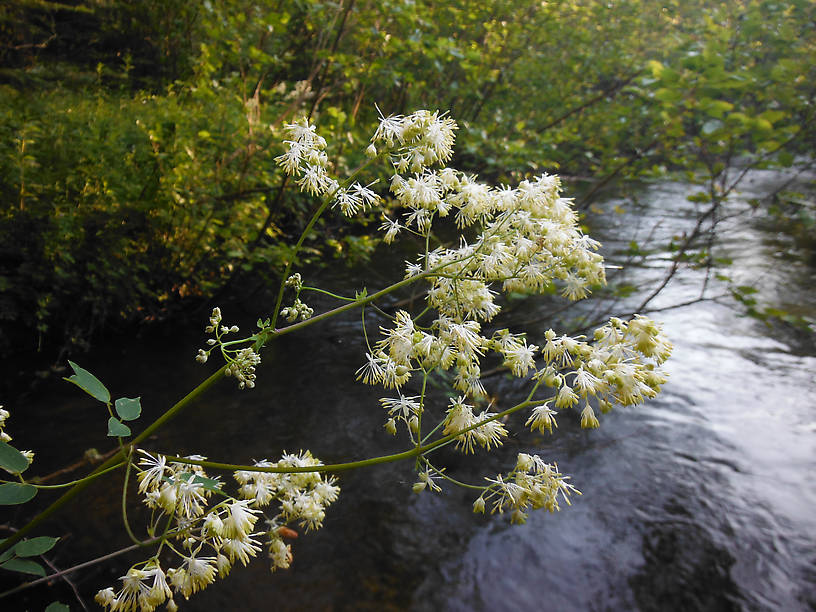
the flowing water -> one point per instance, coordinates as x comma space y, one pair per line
702, 499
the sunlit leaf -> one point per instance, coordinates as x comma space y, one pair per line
117, 429
128, 409
88, 383
656, 68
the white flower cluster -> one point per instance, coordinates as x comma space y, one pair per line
4, 414
216, 328
241, 362
619, 367
527, 239
303, 496
306, 158
523, 239
531, 485
242, 367
483, 429
298, 310
295, 281
406, 348
415, 141
214, 538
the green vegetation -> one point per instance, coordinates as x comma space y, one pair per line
136, 138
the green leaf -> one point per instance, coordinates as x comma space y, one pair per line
656, 68
13, 493
128, 409
700, 196
666, 94
88, 383
117, 429
35, 546
786, 159
25, 566
11, 459
57, 606
6, 554
716, 108
213, 484
208, 483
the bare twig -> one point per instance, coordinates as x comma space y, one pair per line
68, 581
70, 570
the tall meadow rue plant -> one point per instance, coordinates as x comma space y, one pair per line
520, 239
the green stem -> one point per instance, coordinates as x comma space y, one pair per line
453, 480
114, 460
323, 206
358, 302
353, 465
93, 476
252, 338
124, 498
365, 333
421, 409
434, 430
329, 293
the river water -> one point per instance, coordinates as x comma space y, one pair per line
702, 499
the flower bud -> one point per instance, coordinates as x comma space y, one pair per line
524, 462
105, 597
224, 566
167, 498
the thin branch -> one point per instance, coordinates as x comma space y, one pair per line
70, 570
67, 580
74, 466
594, 100
590, 326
